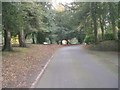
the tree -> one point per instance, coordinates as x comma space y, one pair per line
94, 18
102, 12
8, 12
113, 15
20, 24
13, 24
75, 20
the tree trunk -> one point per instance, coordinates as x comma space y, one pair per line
7, 41
119, 24
114, 30
93, 12
67, 41
50, 40
33, 38
112, 17
102, 27
61, 42
57, 42
21, 39
95, 31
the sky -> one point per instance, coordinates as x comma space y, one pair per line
58, 4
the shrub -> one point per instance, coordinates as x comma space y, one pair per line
89, 39
108, 36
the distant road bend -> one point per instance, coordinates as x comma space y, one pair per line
76, 67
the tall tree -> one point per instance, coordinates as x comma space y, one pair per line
94, 18
20, 24
8, 14
113, 15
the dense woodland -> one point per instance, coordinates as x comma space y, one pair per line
88, 22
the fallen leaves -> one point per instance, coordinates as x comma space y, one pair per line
20, 69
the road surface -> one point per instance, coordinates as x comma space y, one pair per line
75, 67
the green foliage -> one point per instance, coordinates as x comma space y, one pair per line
89, 39
9, 13
42, 19
109, 36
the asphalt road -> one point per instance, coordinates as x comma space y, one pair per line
75, 67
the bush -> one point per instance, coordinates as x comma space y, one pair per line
89, 39
108, 36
